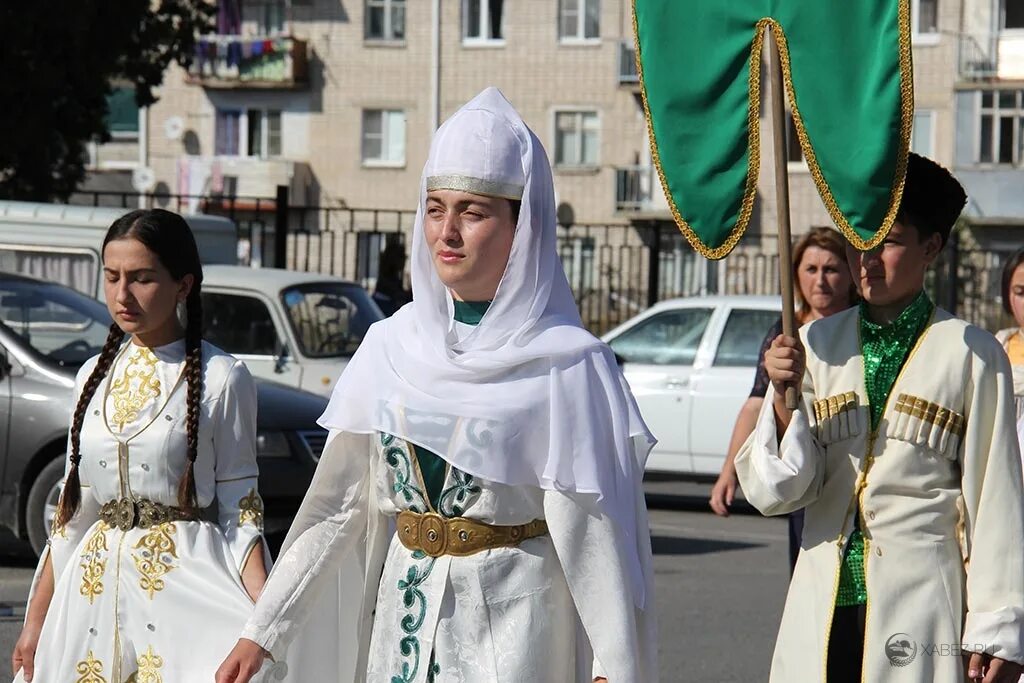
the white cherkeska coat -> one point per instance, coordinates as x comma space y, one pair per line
939, 491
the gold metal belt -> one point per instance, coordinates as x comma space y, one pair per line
436, 535
125, 514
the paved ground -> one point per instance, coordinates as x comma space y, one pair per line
720, 585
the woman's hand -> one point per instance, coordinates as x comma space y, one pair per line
723, 492
243, 662
24, 656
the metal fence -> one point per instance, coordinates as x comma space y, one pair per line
615, 271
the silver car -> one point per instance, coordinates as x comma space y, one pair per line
46, 332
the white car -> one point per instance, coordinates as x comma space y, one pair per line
691, 363
288, 326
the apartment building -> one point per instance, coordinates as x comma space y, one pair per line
337, 100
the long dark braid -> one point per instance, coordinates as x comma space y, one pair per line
71, 496
168, 236
194, 378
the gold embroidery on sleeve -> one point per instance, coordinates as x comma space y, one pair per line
94, 563
90, 670
157, 552
250, 510
135, 388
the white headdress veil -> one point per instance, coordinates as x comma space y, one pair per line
528, 397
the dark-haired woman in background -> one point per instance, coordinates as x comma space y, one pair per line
135, 584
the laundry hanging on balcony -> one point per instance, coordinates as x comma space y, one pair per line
848, 75
233, 51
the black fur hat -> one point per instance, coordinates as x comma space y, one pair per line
932, 198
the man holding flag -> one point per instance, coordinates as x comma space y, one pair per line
904, 454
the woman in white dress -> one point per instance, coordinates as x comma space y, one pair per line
501, 440
143, 579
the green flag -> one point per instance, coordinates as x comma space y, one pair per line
849, 79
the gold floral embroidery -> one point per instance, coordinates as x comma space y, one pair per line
149, 668
251, 510
136, 387
90, 670
157, 552
93, 562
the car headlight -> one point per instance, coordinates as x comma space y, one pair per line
272, 445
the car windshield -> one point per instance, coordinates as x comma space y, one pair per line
61, 326
329, 318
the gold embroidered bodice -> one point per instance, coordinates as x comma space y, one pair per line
134, 387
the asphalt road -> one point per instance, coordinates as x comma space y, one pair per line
720, 585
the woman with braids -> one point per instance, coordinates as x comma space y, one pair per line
135, 583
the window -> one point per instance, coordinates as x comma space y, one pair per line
122, 114
256, 131
744, 331
579, 20
385, 20
64, 327
576, 138
1012, 14
1001, 127
794, 152
669, 338
482, 21
267, 15
74, 268
239, 324
922, 138
925, 16
329, 319
264, 133
383, 137
228, 132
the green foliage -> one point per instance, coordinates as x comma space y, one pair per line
59, 61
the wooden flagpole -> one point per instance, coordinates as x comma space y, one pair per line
778, 112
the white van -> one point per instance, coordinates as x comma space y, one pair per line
291, 327
61, 243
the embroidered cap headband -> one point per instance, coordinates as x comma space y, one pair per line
480, 186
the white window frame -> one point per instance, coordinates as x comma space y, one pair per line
580, 112
383, 163
581, 25
389, 30
485, 21
243, 132
932, 119
994, 111
920, 38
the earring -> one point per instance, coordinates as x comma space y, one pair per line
182, 312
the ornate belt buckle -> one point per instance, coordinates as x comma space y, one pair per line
124, 514
433, 536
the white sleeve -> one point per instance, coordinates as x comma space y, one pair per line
622, 636
993, 494
339, 498
780, 477
239, 506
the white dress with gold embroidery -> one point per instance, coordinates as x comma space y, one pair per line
161, 604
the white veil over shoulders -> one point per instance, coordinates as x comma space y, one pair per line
529, 397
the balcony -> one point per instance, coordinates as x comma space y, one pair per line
233, 62
638, 190
227, 176
628, 75
997, 56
